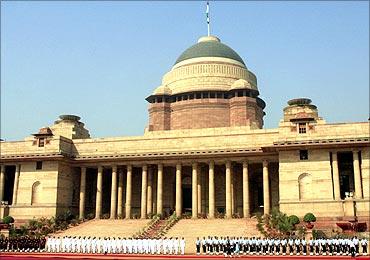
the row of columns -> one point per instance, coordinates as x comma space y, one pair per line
147, 191
356, 174
16, 182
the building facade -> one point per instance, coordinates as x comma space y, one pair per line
204, 151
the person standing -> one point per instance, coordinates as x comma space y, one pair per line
291, 243
197, 244
182, 246
283, 244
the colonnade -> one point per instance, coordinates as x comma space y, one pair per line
147, 190
356, 174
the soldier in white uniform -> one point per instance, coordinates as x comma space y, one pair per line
277, 246
304, 246
283, 244
182, 246
291, 243
364, 243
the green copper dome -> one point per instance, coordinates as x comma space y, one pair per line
209, 46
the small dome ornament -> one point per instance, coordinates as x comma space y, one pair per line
242, 84
162, 90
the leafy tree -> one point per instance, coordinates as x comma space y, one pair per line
294, 220
276, 224
309, 217
8, 220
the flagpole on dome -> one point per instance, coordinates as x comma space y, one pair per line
207, 14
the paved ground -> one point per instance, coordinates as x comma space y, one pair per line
34, 256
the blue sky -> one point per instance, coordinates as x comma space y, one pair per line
100, 60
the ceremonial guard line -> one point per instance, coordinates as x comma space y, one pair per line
234, 246
112, 245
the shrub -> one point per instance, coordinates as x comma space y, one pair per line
105, 216
90, 216
276, 224
186, 215
8, 220
294, 220
309, 217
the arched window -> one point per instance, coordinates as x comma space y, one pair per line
36, 193
305, 186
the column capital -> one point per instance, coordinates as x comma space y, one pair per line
178, 166
114, 168
160, 166
265, 163
129, 167
211, 163
228, 164
145, 167
245, 163
194, 164
100, 168
355, 150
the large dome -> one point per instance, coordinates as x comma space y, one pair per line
209, 46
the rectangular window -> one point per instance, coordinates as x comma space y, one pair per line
205, 95
38, 165
303, 154
302, 128
212, 95
198, 96
41, 142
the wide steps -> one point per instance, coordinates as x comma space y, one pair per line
191, 229
106, 228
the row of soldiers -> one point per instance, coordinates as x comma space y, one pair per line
230, 246
22, 244
109, 245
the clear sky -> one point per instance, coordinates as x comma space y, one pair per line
100, 60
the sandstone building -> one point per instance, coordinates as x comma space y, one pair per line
204, 151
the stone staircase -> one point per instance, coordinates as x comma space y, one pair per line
153, 231
191, 229
106, 228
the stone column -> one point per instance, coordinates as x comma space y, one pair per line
178, 190
232, 191
120, 194
194, 189
336, 182
155, 180
266, 188
2, 182
246, 209
128, 191
357, 175
143, 191
160, 189
211, 189
99, 191
113, 197
149, 204
199, 189
82, 193
228, 190
16, 181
